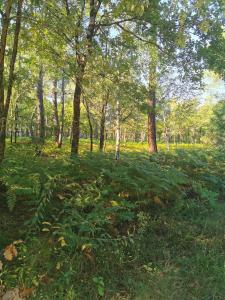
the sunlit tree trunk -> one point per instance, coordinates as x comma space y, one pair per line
117, 131
81, 63
41, 109
152, 143
16, 112
102, 123
62, 113
153, 55
56, 113
86, 104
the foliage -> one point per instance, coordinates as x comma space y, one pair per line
92, 220
218, 124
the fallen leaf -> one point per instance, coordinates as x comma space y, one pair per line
26, 292
58, 266
10, 252
46, 223
17, 242
62, 241
12, 295
1, 265
158, 201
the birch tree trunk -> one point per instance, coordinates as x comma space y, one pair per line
41, 109
117, 133
56, 113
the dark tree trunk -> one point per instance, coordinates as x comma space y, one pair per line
4, 104
76, 110
86, 104
152, 122
62, 113
16, 123
102, 124
41, 109
152, 143
56, 113
82, 61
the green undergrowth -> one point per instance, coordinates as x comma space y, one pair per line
144, 227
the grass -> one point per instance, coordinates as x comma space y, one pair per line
141, 228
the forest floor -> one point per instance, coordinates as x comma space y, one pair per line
145, 227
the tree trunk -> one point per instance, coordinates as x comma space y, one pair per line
62, 113
102, 123
76, 111
117, 156
41, 109
81, 62
90, 124
152, 143
56, 113
16, 124
4, 104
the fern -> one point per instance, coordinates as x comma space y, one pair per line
11, 198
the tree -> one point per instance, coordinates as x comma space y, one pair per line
218, 124
5, 101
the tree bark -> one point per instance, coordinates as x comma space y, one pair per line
62, 113
117, 155
56, 113
102, 123
81, 62
152, 143
16, 123
76, 109
41, 109
4, 104
90, 123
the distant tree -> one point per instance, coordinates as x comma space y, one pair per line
218, 124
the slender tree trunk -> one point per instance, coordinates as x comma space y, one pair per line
81, 62
90, 124
62, 113
102, 123
152, 143
76, 110
166, 133
4, 104
56, 113
16, 124
117, 156
41, 109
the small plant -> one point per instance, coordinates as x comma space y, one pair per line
100, 285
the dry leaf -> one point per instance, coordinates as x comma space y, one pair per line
12, 295
46, 223
58, 266
2, 289
26, 292
62, 241
158, 201
1, 265
10, 252
17, 242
